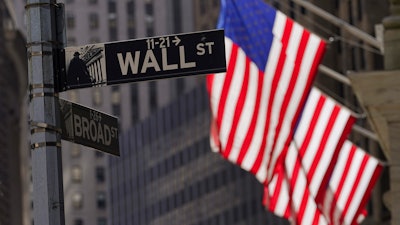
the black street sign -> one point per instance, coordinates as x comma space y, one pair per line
89, 127
144, 59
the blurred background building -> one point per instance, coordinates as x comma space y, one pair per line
166, 173
14, 151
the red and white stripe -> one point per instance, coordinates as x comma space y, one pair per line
319, 136
254, 112
351, 184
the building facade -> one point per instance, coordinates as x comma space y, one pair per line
14, 161
167, 173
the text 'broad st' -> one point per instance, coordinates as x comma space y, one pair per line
89, 127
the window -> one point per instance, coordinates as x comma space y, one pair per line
149, 18
101, 221
134, 103
203, 7
78, 222
100, 175
153, 95
180, 86
97, 95
131, 27
92, 2
99, 154
115, 100
112, 29
149, 9
71, 41
77, 201
76, 174
93, 21
75, 151
70, 21
112, 6
101, 200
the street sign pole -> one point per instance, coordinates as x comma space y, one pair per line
48, 200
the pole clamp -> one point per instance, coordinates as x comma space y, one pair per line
39, 53
37, 86
43, 94
43, 127
45, 144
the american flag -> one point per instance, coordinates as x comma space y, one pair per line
343, 200
320, 133
351, 184
271, 64
256, 104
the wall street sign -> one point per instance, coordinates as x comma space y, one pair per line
144, 59
89, 127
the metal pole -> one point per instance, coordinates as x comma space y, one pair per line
340, 23
48, 200
335, 75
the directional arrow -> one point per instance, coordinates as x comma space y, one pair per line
176, 41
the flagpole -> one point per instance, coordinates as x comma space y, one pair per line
335, 75
340, 23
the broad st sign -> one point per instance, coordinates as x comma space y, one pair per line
89, 127
144, 59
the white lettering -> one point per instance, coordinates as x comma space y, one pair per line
165, 65
77, 125
93, 130
128, 62
107, 135
100, 134
210, 44
183, 62
150, 61
200, 49
85, 128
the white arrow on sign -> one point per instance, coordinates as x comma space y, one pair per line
176, 41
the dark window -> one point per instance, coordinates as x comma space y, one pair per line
153, 95
360, 9
350, 12
100, 174
101, 221
70, 21
292, 9
92, 2
203, 7
276, 4
112, 6
99, 154
149, 8
177, 16
93, 21
130, 8
134, 103
78, 222
101, 200
180, 86
112, 29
